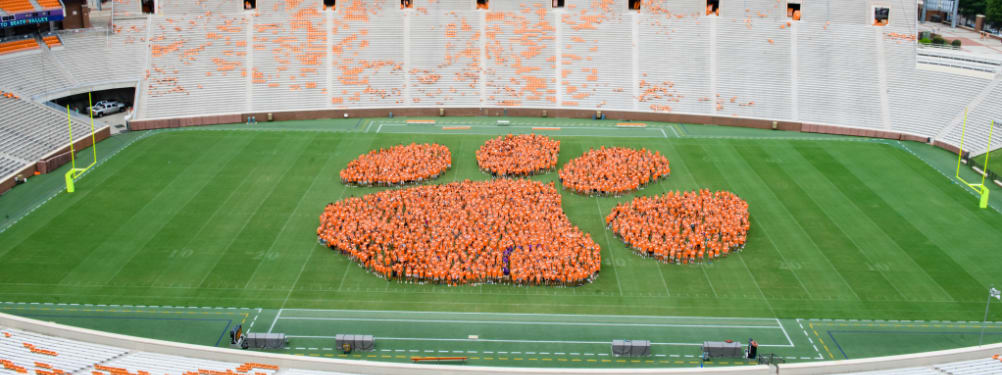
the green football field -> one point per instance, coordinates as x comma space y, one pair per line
853, 230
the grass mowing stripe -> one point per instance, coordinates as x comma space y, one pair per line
868, 285
728, 272
907, 276
111, 226
798, 253
152, 254
274, 271
768, 270
62, 203
270, 222
757, 277
689, 280
202, 212
938, 265
839, 207
258, 224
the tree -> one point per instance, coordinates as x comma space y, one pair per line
993, 12
971, 8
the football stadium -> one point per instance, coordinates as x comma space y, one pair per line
311, 187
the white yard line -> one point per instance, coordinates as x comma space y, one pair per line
277, 316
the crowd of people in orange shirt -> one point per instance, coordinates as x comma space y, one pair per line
518, 155
613, 170
398, 165
683, 227
498, 231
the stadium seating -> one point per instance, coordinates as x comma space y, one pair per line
444, 63
197, 65
29, 131
290, 56
97, 56
18, 46
15, 6
831, 67
52, 41
125, 9
31, 353
50, 4
520, 56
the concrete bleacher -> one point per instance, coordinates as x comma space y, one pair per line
985, 366
197, 65
520, 57
289, 56
758, 84
596, 56
99, 56
32, 73
33, 351
155, 363
126, 9
29, 131
838, 88
444, 65
189, 7
672, 84
833, 67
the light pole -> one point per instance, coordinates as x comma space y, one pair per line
992, 293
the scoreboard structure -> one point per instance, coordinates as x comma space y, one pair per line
31, 18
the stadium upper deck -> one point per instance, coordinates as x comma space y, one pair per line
832, 66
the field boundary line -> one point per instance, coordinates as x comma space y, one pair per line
521, 341
808, 336
533, 314
594, 324
125, 305
179, 207
785, 333
63, 188
952, 179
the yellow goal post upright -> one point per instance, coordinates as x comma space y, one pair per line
75, 172
981, 188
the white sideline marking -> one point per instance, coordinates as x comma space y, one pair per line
404, 312
521, 341
784, 332
277, 316
591, 324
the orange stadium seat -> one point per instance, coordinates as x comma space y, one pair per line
52, 41
16, 6
49, 4
19, 45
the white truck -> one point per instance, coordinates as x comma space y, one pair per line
106, 107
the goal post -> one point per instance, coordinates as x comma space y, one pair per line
980, 188
75, 172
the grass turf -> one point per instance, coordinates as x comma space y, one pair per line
839, 230
994, 161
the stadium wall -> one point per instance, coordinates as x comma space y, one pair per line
735, 121
381, 368
745, 122
54, 159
